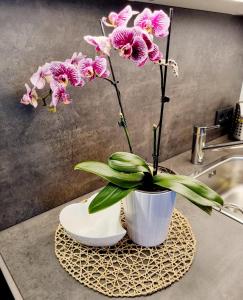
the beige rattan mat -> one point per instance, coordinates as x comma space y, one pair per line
126, 269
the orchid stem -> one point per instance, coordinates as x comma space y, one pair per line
111, 82
45, 97
44, 102
164, 99
154, 146
122, 122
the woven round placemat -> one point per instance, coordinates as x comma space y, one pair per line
126, 269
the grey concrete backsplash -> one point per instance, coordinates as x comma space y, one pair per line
38, 149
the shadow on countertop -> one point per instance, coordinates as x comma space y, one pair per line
4, 289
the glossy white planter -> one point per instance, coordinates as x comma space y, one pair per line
99, 229
148, 216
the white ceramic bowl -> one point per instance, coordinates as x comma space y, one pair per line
99, 229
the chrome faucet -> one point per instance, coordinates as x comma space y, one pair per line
199, 143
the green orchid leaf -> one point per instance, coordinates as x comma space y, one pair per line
108, 196
196, 186
184, 191
202, 202
128, 162
126, 167
118, 178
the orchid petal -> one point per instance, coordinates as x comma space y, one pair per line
161, 23
125, 15
30, 97
142, 63
106, 74
54, 99
112, 17
28, 89
148, 40
121, 36
73, 75
85, 62
101, 43
140, 51
75, 59
100, 66
46, 69
26, 99
89, 73
38, 78
142, 18
155, 55
126, 51
34, 102
54, 85
105, 21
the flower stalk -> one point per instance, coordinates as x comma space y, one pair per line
164, 99
122, 122
154, 147
45, 97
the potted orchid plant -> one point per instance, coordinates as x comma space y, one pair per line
149, 195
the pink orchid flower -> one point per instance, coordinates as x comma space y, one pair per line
90, 68
65, 72
30, 97
119, 19
101, 43
131, 43
156, 23
59, 94
39, 78
75, 59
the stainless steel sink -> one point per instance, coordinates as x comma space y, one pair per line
225, 176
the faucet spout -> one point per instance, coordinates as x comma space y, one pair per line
199, 143
230, 145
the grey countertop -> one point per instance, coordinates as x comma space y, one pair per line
33, 272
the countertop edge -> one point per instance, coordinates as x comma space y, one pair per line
9, 279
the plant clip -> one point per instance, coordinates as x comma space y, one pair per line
114, 82
122, 123
165, 99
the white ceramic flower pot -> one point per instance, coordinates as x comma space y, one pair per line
148, 216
